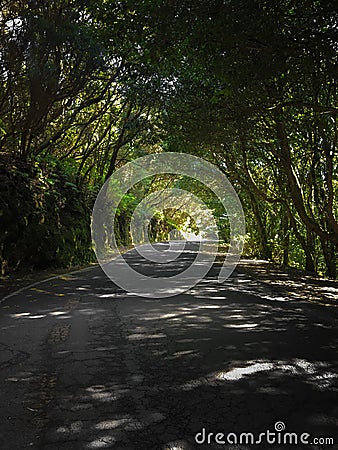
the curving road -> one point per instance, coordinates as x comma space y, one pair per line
84, 365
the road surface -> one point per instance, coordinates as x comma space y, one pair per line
85, 365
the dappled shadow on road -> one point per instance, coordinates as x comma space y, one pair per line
285, 280
148, 374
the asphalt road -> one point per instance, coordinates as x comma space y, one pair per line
85, 365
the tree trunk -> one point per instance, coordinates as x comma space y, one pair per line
330, 256
310, 265
307, 244
265, 250
286, 237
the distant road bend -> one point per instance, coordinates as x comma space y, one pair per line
86, 365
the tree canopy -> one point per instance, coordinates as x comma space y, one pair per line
249, 85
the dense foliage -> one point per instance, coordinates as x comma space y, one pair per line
248, 84
45, 217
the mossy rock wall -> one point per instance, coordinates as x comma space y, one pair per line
44, 217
